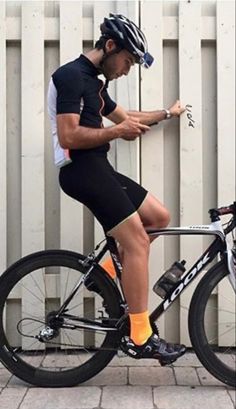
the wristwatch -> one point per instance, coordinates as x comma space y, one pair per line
168, 114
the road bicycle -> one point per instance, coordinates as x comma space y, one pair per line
62, 316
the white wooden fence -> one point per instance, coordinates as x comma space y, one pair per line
188, 164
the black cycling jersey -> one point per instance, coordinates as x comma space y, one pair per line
78, 90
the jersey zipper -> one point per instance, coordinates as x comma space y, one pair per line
103, 103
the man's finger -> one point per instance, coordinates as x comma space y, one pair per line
143, 127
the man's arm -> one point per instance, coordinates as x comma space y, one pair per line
145, 117
73, 136
148, 117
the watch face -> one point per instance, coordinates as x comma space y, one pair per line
168, 114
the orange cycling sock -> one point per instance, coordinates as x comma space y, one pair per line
109, 267
141, 328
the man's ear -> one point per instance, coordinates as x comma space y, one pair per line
110, 45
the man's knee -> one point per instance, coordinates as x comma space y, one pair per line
132, 236
163, 218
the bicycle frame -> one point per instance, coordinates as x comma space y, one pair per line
220, 245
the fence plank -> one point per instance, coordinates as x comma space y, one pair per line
128, 152
3, 142
71, 34
70, 48
101, 10
32, 127
152, 144
226, 145
3, 145
32, 146
191, 194
226, 101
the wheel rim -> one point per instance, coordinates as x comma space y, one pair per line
32, 299
219, 322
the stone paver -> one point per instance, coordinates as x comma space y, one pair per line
126, 361
5, 376
11, 398
151, 376
183, 397
207, 379
127, 397
186, 376
189, 359
63, 398
232, 394
110, 376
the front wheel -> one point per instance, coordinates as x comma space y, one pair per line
212, 324
38, 346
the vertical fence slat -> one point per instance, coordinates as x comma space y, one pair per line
70, 48
226, 144
3, 145
226, 101
152, 144
32, 127
101, 10
32, 143
191, 190
128, 152
3, 142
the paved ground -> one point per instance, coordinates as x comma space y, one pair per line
126, 384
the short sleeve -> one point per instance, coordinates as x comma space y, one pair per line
69, 85
109, 104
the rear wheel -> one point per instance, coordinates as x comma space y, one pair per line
46, 350
212, 324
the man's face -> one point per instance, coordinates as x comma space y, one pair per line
117, 65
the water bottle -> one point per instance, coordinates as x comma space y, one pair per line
169, 278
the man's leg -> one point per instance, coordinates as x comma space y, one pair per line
135, 252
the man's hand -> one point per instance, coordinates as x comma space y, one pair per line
176, 109
131, 128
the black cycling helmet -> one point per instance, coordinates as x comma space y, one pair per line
127, 35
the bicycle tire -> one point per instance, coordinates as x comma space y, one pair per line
26, 366
221, 365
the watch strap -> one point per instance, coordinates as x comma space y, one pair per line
168, 114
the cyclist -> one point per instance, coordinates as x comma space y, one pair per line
77, 102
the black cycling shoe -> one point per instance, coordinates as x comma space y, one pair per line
155, 347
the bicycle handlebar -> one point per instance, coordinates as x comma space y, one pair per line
231, 209
221, 211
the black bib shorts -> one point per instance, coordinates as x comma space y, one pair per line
111, 196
